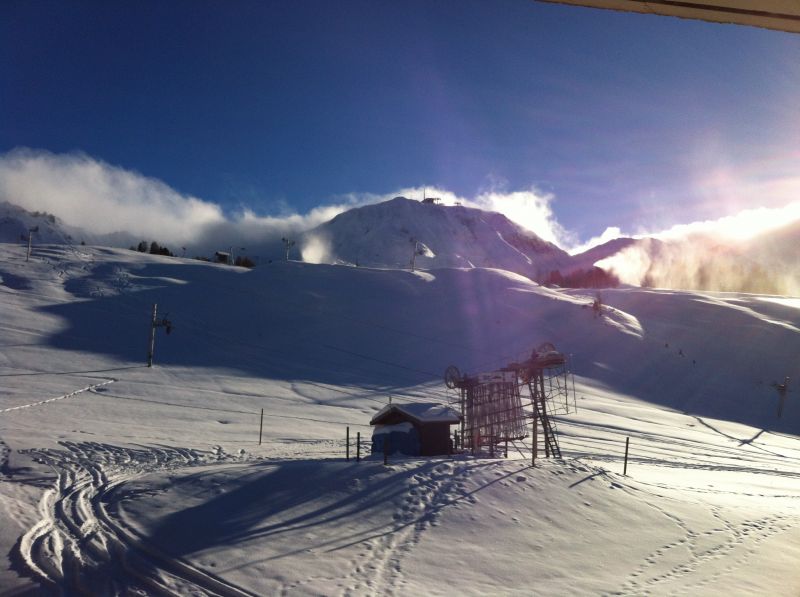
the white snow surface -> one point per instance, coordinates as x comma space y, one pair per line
422, 412
116, 478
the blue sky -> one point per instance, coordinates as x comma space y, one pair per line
634, 121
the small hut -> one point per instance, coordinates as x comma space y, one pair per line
418, 429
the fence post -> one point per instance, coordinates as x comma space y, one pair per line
347, 443
625, 468
261, 427
358, 446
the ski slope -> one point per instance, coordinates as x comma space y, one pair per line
123, 479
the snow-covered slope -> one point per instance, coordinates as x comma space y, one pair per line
15, 222
384, 235
119, 478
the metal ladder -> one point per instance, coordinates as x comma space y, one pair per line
550, 438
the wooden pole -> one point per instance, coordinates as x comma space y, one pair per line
386, 450
152, 347
30, 236
358, 446
463, 414
625, 468
261, 427
347, 445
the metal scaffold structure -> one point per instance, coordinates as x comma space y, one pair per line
514, 403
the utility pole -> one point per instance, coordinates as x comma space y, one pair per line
156, 323
287, 244
30, 238
153, 325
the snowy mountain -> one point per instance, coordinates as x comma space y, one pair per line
392, 233
386, 235
221, 469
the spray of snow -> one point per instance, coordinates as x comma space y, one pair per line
705, 263
316, 249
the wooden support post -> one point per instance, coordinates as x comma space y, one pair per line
625, 468
506, 455
358, 447
386, 450
347, 445
463, 413
261, 427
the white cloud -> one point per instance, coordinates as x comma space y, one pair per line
608, 234
743, 225
530, 209
101, 198
731, 229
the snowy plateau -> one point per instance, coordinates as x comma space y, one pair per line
121, 479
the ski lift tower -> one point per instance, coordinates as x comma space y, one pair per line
545, 375
494, 410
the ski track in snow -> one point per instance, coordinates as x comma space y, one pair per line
71, 394
78, 546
